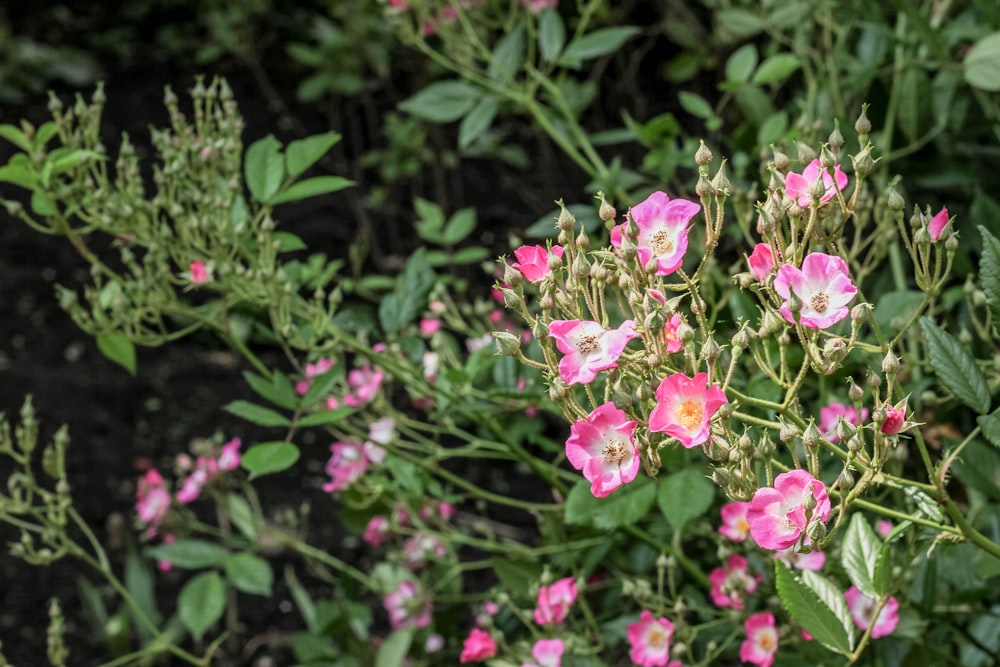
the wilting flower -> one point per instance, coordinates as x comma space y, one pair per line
734, 521
407, 606
554, 601
938, 224
479, 645
762, 640
547, 653
778, 515
663, 235
685, 406
533, 261
650, 640
829, 418
797, 185
823, 287
603, 447
588, 347
761, 261
863, 611
732, 582
199, 273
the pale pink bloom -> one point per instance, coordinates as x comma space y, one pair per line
603, 447
732, 582
347, 464
778, 516
382, 431
863, 611
199, 273
430, 510
408, 607
365, 384
588, 348
229, 457
685, 407
437, 307
533, 261
762, 640
535, 7
814, 560
429, 326
431, 364
419, 549
479, 645
797, 185
205, 470
434, 643
822, 285
475, 344
829, 418
374, 453
554, 601
152, 499
671, 341
884, 528
332, 403
734, 521
488, 610
495, 316
547, 653
761, 261
650, 640
663, 232
377, 531
938, 224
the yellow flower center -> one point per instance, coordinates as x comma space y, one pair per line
766, 641
615, 452
661, 243
656, 638
742, 525
689, 414
819, 302
587, 344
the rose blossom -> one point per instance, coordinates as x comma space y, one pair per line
863, 609
734, 521
533, 261
938, 224
823, 287
797, 185
554, 601
347, 463
603, 447
762, 640
377, 531
588, 347
761, 261
671, 341
547, 653
685, 406
895, 418
650, 640
829, 418
199, 273
407, 607
731, 582
663, 235
777, 515
152, 499
814, 560
479, 645
229, 456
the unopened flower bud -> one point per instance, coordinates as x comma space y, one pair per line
765, 448
721, 184
703, 186
873, 379
511, 276
685, 332
565, 221
508, 345
710, 350
845, 481
811, 437
742, 338
817, 189
721, 477
890, 364
781, 161
863, 162
922, 237
558, 389
539, 330
836, 139
735, 456
862, 125
895, 201
855, 393
816, 530
581, 267
745, 442
859, 313
845, 430
725, 411
511, 299
826, 159
806, 153
788, 432
951, 243
703, 156
718, 448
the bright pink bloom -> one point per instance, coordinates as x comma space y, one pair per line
365, 382
822, 285
761, 261
814, 560
346, 465
487, 611
884, 528
199, 273
407, 606
554, 601
152, 499
938, 224
205, 470
312, 370
671, 340
830, 415
588, 347
429, 326
778, 516
479, 645
377, 531
650, 640
533, 261
547, 653
895, 418
603, 447
229, 457
797, 185
663, 233
734, 521
419, 549
762, 640
863, 611
732, 582
535, 7
685, 407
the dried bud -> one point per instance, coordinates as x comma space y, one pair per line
703, 156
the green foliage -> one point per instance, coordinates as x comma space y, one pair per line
817, 606
956, 368
270, 457
201, 603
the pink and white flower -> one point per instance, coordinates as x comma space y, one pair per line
829, 418
420, 548
555, 601
797, 185
479, 645
778, 516
377, 531
823, 286
734, 521
199, 273
863, 609
365, 383
152, 500
762, 640
685, 407
533, 261
671, 339
408, 607
588, 348
814, 560
650, 640
663, 231
229, 456
347, 464
761, 261
938, 224
603, 447
731, 583
312, 370
547, 653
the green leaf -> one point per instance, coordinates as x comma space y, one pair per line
860, 553
256, 414
320, 388
201, 603
551, 35
190, 554
141, 585
307, 608
912, 87
410, 295
326, 417
118, 348
516, 576
623, 507
982, 63
269, 457
18, 175
250, 574
15, 136
989, 273
595, 44
460, 225
304, 153
393, 650
990, 426
287, 242
695, 104
280, 393
740, 23
741, 64
955, 367
925, 504
311, 187
477, 121
442, 101
264, 168
685, 495
883, 564
817, 606
507, 55
776, 68
242, 515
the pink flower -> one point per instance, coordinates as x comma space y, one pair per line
731, 582
346, 465
377, 531
829, 418
762, 640
938, 224
535, 7
863, 610
822, 285
761, 261
671, 341
365, 382
205, 470
440, 510
650, 640
312, 370
547, 653
778, 516
588, 347
884, 528
554, 601
663, 235
734, 521
199, 273
434, 643
895, 418
407, 607
797, 185
814, 560
479, 645
488, 610
429, 326
229, 457
533, 261
152, 499
419, 549
685, 406
603, 447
